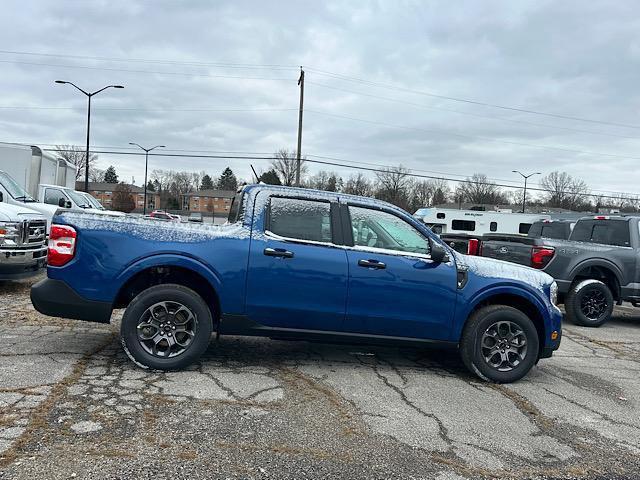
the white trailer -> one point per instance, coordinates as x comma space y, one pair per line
476, 222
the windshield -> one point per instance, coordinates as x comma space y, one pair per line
15, 190
95, 203
79, 199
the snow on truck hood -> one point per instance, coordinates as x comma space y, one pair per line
491, 268
14, 213
150, 229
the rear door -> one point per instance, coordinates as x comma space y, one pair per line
395, 289
297, 275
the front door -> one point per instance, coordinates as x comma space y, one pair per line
297, 277
395, 289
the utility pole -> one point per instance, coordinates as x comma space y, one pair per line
301, 83
524, 194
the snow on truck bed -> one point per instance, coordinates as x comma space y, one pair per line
155, 230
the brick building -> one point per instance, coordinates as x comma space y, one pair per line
104, 193
215, 202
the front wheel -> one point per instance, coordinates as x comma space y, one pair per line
499, 344
166, 327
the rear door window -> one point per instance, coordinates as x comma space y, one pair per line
300, 219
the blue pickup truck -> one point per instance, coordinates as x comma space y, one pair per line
296, 264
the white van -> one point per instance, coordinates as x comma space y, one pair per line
70, 199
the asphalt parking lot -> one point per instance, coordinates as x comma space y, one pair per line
73, 406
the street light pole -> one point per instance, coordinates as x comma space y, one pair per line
146, 165
89, 95
524, 194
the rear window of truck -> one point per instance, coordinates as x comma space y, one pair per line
235, 212
607, 232
549, 230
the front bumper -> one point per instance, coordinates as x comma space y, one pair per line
16, 264
551, 344
57, 299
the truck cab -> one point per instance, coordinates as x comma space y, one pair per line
14, 194
23, 252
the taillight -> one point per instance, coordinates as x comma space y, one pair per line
474, 247
541, 256
62, 245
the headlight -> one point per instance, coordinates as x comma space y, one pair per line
553, 293
8, 233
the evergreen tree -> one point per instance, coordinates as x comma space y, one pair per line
228, 180
150, 186
270, 177
110, 175
206, 183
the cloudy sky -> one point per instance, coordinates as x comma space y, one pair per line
413, 83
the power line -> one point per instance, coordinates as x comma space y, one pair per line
477, 115
337, 164
11, 107
464, 100
186, 74
159, 62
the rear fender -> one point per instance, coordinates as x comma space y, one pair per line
171, 260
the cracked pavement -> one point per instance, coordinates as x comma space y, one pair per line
73, 406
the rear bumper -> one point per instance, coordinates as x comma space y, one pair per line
57, 299
18, 264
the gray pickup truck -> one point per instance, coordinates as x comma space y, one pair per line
597, 266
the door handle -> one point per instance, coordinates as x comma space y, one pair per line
278, 252
372, 264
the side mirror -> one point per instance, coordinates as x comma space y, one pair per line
67, 204
438, 253
62, 202
1, 197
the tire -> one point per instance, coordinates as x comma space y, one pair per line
589, 303
174, 319
474, 345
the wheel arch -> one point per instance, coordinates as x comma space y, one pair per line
521, 300
169, 273
602, 270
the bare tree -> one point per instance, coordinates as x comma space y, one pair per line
95, 174
358, 185
393, 185
564, 191
323, 180
76, 156
285, 164
429, 192
123, 198
478, 189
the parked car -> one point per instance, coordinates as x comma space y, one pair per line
595, 268
160, 215
297, 264
195, 217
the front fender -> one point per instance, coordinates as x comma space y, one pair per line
470, 303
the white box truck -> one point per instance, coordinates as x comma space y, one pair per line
24, 168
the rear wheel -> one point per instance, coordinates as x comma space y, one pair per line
589, 303
166, 327
499, 344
